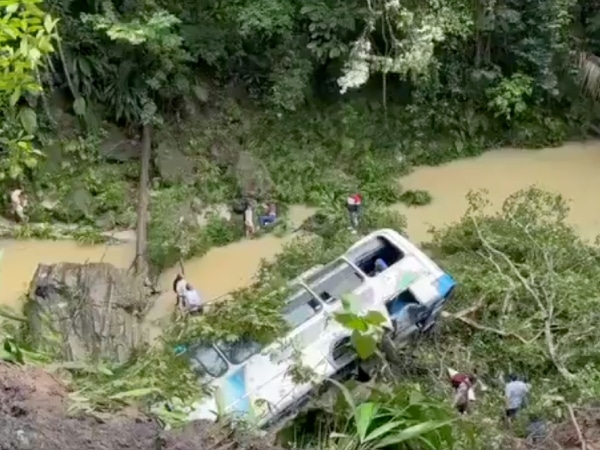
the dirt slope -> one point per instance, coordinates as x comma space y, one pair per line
33, 417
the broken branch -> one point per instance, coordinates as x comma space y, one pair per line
547, 311
480, 327
580, 436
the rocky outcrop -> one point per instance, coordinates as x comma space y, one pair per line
83, 312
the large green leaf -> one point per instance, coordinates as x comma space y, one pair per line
135, 393
364, 344
364, 415
28, 119
351, 321
414, 432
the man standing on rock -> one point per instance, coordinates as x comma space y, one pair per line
249, 218
18, 201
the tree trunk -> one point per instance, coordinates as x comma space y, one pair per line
142, 212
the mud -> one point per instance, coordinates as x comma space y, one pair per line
33, 416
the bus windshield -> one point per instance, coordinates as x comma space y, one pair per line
239, 350
300, 307
206, 360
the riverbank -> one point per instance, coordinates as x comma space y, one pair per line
570, 170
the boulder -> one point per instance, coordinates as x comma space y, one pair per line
253, 176
173, 165
83, 312
117, 147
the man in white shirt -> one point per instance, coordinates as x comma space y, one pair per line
515, 393
193, 302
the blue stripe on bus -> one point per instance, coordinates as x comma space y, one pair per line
445, 284
235, 392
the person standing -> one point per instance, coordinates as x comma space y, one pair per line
515, 393
461, 397
18, 201
249, 219
193, 301
179, 287
354, 206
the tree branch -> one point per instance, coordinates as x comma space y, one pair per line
547, 311
478, 326
580, 436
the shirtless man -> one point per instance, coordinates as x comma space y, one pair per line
18, 203
249, 218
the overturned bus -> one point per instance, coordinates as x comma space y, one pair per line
257, 383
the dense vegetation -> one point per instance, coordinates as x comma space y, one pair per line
296, 100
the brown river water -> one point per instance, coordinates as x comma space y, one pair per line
572, 170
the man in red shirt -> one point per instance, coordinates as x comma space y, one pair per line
354, 205
459, 378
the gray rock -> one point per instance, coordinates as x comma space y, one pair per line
197, 205
253, 176
79, 202
173, 165
117, 147
83, 312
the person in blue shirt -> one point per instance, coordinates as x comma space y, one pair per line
270, 217
380, 266
515, 393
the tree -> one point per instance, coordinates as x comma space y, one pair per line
26, 40
529, 284
152, 38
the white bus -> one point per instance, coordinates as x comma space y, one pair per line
256, 383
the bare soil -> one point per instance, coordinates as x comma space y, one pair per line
33, 416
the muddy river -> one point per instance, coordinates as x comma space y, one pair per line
572, 170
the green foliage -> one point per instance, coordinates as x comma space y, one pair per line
534, 278
174, 233
376, 416
367, 329
75, 185
25, 40
509, 98
415, 198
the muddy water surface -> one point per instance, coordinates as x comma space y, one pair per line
572, 170
218, 272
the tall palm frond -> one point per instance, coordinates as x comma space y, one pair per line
589, 69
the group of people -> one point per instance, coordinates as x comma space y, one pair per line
188, 298
264, 220
515, 393
269, 216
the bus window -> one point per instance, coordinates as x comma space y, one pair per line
300, 308
239, 350
206, 360
334, 281
375, 256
